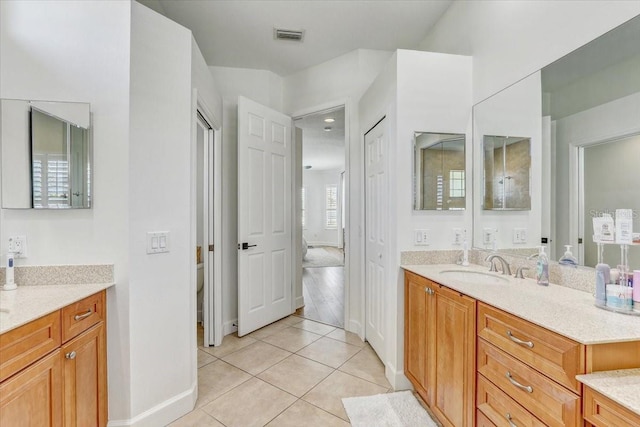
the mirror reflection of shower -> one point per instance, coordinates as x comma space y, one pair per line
507, 171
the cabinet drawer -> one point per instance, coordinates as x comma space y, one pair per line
558, 357
551, 403
482, 421
24, 345
78, 317
500, 408
603, 412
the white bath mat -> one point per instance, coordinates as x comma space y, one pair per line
400, 409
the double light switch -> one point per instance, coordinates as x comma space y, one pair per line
157, 242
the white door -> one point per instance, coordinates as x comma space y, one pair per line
376, 215
264, 215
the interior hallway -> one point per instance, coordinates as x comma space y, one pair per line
293, 372
323, 292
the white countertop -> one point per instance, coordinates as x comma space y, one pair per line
622, 386
568, 312
28, 303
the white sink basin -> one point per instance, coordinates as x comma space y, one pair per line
474, 277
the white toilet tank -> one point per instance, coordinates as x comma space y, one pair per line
200, 276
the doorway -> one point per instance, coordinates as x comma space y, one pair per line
323, 215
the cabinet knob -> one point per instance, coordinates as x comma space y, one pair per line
428, 291
71, 355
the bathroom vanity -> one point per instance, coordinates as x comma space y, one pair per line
490, 350
53, 368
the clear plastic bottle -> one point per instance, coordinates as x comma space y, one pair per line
568, 258
603, 276
542, 270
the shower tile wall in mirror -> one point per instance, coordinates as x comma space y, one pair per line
439, 171
46, 154
581, 116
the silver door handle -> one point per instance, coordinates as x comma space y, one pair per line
511, 423
526, 388
71, 355
518, 340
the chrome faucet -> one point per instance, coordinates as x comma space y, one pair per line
505, 265
519, 274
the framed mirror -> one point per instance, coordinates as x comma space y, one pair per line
582, 114
507, 170
439, 171
46, 154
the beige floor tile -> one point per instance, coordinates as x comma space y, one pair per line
268, 330
329, 393
253, 403
304, 414
292, 339
328, 351
296, 375
217, 378
205, 358
366, 365
230, 343
348, 337
290, 320
256, 357
196, 418
315, 327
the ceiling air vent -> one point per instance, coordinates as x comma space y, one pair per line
291, 35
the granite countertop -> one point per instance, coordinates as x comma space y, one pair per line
622, 386
29, 302
568, 312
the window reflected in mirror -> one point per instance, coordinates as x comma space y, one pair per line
507, 172
439, 173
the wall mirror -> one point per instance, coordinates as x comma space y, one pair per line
507, 168
46, 154
439, 171
582, 112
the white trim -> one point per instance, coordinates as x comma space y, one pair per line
163, 413
396, 378
230, 327
319, 243
299, 301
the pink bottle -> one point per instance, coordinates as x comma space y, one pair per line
636, 288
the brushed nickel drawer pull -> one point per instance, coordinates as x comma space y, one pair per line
83, 316
526, 388
511, 423
71, 355
518, 340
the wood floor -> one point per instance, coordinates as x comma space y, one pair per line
323, 291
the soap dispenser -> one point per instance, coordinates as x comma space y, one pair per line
542, 268
10, 284
568, 258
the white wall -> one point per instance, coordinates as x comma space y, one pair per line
44, 55
511, 39
264, 87
315, 183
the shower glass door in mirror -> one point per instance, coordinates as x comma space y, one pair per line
439, 171
507, 170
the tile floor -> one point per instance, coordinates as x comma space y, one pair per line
291, 373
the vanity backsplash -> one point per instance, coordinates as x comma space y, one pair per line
61, 274
580, 278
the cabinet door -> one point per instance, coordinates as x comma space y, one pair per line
33, 397
453, 384
416, 299
85, 379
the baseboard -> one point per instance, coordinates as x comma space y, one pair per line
230, 327
331, 244
355, 327
396, 378
299, 302
164, 413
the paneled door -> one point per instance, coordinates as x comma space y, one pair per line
264, 216
376, 219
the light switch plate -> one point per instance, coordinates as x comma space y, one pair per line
421, 237
157, 242
457, 236
519, 235
488, 236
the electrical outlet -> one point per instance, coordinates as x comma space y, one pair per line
421, 237
457, 236
18, 246
519, 235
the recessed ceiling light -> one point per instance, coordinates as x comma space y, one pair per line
329, 120
327, 128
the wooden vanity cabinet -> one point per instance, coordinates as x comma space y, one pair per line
67, 384
600, 411
440, 349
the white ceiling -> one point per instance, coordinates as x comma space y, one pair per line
323, 150
239, 33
